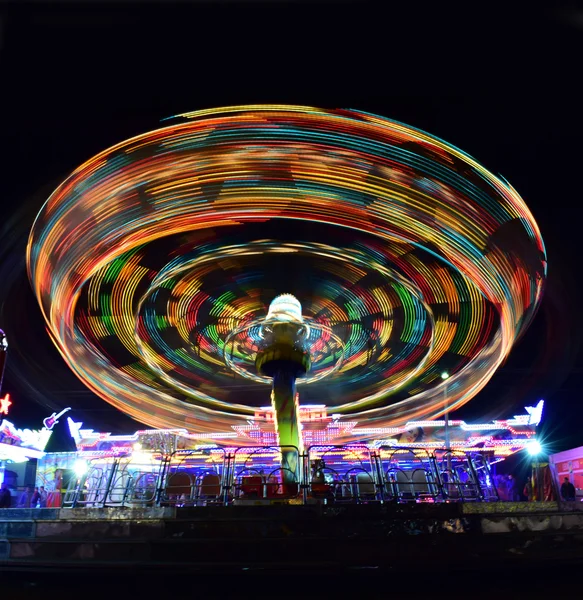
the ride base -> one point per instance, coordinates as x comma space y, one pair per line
387, 537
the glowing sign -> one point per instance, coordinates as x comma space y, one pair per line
51, 421
17, 454
74, 429
4, 404
24, 437
535, 413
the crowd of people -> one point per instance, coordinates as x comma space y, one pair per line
29, 498
509, 489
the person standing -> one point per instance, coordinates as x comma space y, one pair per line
35, 500
5, 497
568, 491
513, 493
54, 498
501, 487
43, 496
25, 498
527, 491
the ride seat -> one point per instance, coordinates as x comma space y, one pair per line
252, 486
179, 484
404, 485
210, 486
420, 483
365, 485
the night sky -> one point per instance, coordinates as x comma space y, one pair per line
504, 87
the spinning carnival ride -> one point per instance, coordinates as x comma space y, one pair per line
156, 263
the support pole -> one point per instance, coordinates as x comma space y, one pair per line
283, 358
3, 355
446, 416
287, 423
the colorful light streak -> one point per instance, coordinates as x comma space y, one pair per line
153, 252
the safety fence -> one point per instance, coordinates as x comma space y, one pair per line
331, 474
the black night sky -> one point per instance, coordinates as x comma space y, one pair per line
505, 87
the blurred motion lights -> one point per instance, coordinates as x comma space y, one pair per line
155, 263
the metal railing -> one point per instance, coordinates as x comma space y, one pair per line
116, 481
266, 473
337, 474
342, 474
409, 475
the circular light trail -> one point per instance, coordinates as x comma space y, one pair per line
155, 263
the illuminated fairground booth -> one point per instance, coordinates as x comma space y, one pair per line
568, 466
19, 448
172, 467
19, 451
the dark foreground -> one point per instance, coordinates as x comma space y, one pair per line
289, 551
536, 581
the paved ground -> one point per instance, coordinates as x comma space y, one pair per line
552, 580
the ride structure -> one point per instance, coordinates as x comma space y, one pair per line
284, 357
403, 464
157, 262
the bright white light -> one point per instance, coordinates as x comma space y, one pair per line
137, 447
533, 447
445, 375
535, 413
74, 428
285, 308
80, 468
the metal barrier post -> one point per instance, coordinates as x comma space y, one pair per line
476, 479
97, 487
378, 472
228, 474
161, 478
491, 491
126, 490
80, 482
305, 477
437, 477
109, 481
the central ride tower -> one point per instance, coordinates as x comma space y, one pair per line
284, 356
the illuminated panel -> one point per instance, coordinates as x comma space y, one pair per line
24, 438
499, 438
